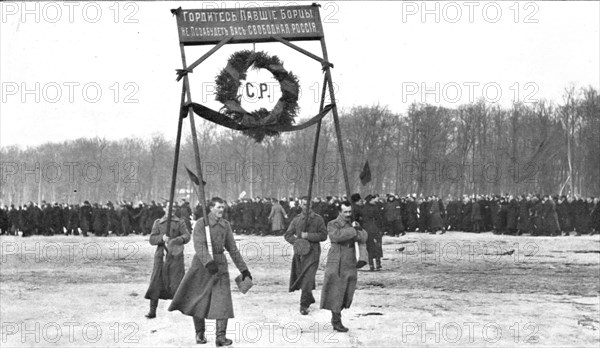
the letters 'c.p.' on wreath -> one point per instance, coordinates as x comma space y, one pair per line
228, 83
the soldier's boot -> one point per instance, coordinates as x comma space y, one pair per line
336, 322
200, 327
378, 263
152, 313
221, 340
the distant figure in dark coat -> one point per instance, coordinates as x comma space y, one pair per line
73, 222
466, 214
476, 216
124, 216
85, 218
512, 215
523, 223
551, 224
99, 220
277, 217
595, 217
393, 216
371, 220
424, 206
436, 222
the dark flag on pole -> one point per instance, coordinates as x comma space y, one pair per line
365, 175
193, 177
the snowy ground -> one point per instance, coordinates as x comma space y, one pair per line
457, 289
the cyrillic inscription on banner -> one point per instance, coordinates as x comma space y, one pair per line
259, 24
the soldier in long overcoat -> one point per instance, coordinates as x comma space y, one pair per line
580, 211
27, 223
371, 220
340, 272
99, 220
124, 216
512, 215
453, 212
523, 220
466, 213
476, 216
248, 217
595, 216
304, 267
536, 216
13, 219
73, 225
112, 219
205, 291
551, 224
562, 207
85, 218
168, 271
4, 220
424, 215
436, 222
393, 216
277, 218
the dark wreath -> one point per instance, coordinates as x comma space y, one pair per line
228, 83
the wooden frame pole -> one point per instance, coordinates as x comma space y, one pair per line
336, 120
175, 164
202, 197
314, 158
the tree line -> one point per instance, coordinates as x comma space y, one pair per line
475, 148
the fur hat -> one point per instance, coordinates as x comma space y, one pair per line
355, 197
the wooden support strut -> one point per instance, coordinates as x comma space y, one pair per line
175, 165
336, 120
202, 197
189, 69
314, 158
362, 248
323, 62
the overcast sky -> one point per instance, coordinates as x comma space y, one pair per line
384, 53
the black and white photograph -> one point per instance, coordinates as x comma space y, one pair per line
300, 174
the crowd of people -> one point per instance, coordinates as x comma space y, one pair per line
204, 291
391, 214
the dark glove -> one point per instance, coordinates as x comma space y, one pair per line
245, 274
211, 267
